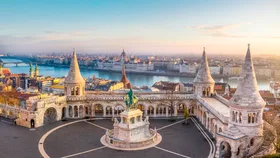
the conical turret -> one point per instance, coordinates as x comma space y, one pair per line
74, 75
247, 92
124, 79
203, 74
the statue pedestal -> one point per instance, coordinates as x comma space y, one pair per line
131, 133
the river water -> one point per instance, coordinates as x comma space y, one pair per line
135, 79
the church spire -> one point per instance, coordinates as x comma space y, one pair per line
74, 75
124, 80
203, 74
247, 92
36, 70
31, 72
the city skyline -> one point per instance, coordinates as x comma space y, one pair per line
140, 27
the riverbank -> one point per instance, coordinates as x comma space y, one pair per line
157, 73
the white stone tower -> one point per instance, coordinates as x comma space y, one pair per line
74, 82
246, 105
203, 82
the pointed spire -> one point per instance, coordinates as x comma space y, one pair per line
124, 79
248, 54
74, 74
247, 92
203, 74
36, 70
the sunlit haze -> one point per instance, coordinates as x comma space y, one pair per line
140, 26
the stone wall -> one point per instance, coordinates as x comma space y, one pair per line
269, 149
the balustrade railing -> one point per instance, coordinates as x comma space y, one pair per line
221, 99
220, 116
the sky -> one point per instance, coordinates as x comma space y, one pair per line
154, 27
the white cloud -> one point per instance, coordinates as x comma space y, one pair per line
218, 30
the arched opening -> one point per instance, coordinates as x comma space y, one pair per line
233, 116
208, 91
240, 117
253, 117
225, 150
50, 115
77, 91
220, 130
32, 123
240, 151
150, 110
81, 111
76, 111
98, 109
109, 110
236, 117
203, 92
72, 91
86, 110
252, 141
181, 108
132, 120
204, 118
192, 110
141, 107
63, 112
118, 109
249, 118
70, 111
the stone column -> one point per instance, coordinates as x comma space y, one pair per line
218, 150
233, 154
175, 110
155, 112
67, 112
167, 111
104, 111
92, 111
202, 117
113, 111
78, 111
73, 114
146, 111
84, 111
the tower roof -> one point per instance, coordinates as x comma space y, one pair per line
203, 74
124, 79
247, 92
74, 75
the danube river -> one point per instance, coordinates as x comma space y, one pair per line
135, 79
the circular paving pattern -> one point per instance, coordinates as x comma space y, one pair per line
82, 139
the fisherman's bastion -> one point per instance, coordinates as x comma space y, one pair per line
235, 124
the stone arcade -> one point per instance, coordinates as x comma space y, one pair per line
236, 124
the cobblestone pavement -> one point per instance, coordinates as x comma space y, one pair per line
82, 139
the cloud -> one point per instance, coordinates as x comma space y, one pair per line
50, 32
218, 30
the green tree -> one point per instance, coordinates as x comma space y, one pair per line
186, 115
